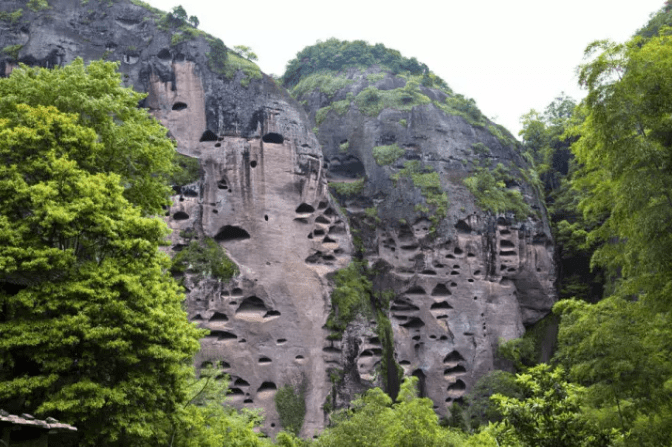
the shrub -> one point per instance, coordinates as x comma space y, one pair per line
375, 77
188, 170
11, 17
457, 104
290, 404
491, 192
386, 155
205, 259
430, 186
326, 82
12, 51
348, 188
480, 149
350, 297
217, 55
372, 101
38, 5
343, 147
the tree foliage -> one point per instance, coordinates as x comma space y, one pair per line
549, 414
336, 55
619, 348
129, 142
374, 420
92, 327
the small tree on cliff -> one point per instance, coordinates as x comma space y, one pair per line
91, 325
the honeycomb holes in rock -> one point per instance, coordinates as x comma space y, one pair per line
208, 135
273, 137
304, 208
231, 233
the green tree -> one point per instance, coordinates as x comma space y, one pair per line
290, 402
246, 52
179, 13
202, 420
374, 420
130, 143
625, 151
91, 323
549, 414
618, 349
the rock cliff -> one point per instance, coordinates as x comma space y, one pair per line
458, 276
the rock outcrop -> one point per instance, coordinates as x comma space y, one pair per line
459, 280
462, 280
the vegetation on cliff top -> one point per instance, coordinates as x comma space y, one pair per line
337, 55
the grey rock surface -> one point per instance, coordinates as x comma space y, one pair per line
263, 196
459, 286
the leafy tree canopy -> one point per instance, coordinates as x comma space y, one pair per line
93, 332
337, 55
128, 142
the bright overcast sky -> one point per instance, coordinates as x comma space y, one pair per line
510, 56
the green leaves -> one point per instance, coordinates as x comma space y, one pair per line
549, 415
492, 194
409, 422
127, 140
93, 330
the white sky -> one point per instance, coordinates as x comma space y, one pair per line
510, 56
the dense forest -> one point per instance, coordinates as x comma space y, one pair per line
91, 323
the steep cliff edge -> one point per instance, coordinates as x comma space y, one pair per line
458, 276
445, 208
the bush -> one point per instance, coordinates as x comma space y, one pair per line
290, 404
188, 170
457, 104
12, 51
348, 188
372, 101
430, 186
11, 17
350, 297
206, 259
480, 149
217, 55
326, 82
386, 155
491, 192
38, 5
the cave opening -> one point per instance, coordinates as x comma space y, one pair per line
273, 137
231, 233
208, 135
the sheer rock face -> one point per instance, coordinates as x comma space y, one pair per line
460, 286
263, 197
